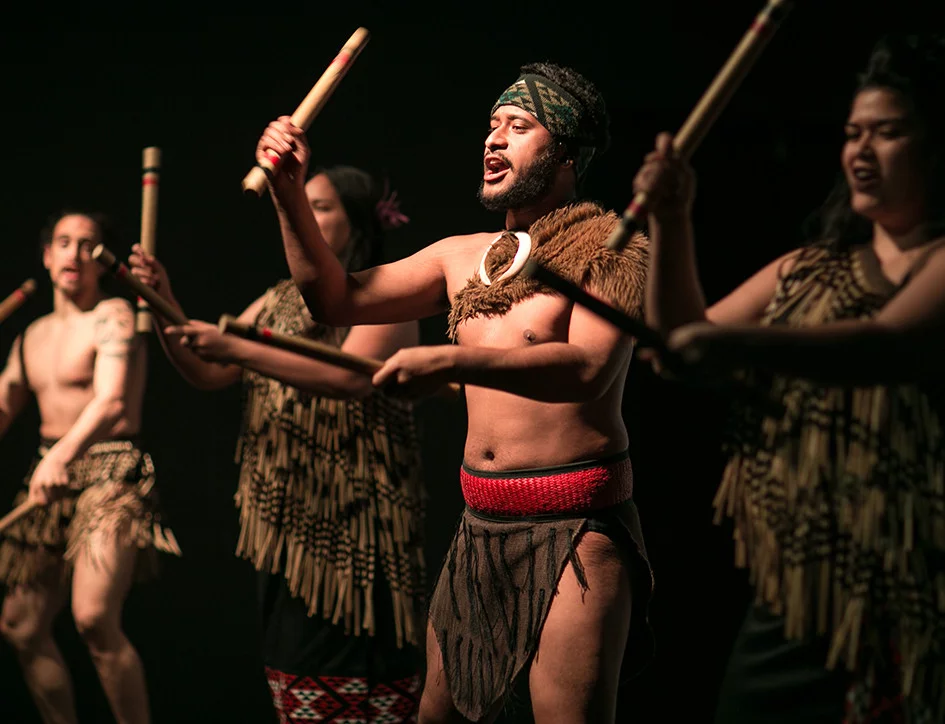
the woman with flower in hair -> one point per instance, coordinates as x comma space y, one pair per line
330, 491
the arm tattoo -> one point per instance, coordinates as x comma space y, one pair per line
114, 331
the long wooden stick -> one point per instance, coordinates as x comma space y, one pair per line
150, 177
311, 106
306, 347
108, 260
300, 345
707, 110
685, 142
646, 337
16, 299
18, 512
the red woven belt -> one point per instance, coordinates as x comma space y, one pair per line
573, 489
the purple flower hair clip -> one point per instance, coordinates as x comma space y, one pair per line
388, 209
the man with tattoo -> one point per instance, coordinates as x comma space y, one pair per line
96, 519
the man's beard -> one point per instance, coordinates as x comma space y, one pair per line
534, 183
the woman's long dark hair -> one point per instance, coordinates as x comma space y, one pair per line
370, 210
913, 66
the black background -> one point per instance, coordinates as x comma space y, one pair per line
84, 91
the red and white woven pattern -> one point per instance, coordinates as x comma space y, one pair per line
343, 699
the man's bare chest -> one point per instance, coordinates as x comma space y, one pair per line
537, 319
60, 354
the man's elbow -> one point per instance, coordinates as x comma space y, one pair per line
593, 390
323, 310
596, 381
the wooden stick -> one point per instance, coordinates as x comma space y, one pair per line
710, 106
685, 142
311, 106
645, 336
18, 512
16, 299
108, 260
306, 347
300, 345
150, 177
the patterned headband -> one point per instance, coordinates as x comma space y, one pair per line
556, 109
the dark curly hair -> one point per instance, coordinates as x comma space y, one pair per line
594, 129
106, 229
595, 124
913, 66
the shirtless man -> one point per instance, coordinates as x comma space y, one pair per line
546, 476
94, 487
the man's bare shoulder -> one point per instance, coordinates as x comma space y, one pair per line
39, 325
113, 321
462, 243
457, 253
458, 249
113, 306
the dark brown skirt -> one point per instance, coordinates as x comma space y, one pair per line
495, 589
112, 492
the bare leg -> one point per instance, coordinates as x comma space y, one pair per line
26, 623
436, 702
102, 578
576, 670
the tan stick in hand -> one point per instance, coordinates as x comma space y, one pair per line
18, 512
306, 347
710, 106
150, 176
311, 106
158, 303
13, 302
300, 345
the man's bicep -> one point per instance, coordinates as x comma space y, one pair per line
112, 374
404, 290
380, 341
607, 347
115, 343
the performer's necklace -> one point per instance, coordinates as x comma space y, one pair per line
521, 256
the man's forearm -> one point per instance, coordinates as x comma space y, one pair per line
94, 424
319, 378
550, 372
197, 372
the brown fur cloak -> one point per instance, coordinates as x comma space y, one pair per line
569, 242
